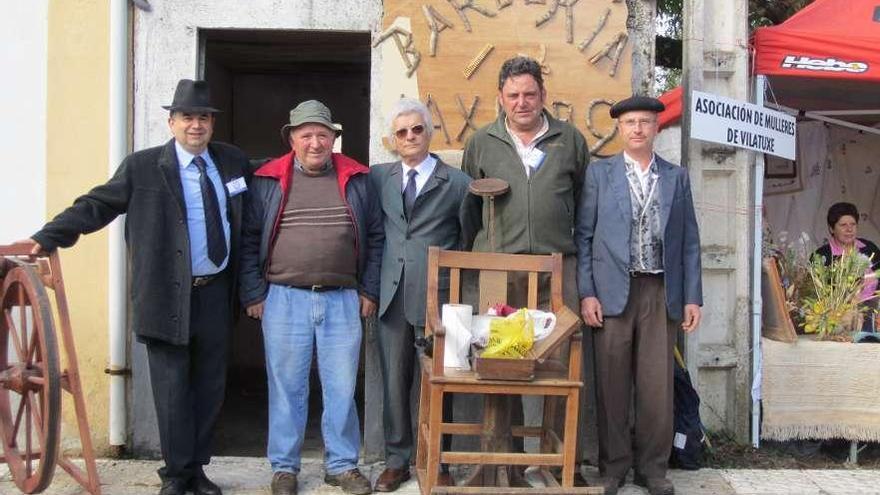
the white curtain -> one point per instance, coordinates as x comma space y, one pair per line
834, 164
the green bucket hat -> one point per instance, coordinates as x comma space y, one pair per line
309, 112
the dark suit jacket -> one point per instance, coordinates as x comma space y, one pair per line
603, 237
436, 221
147, 188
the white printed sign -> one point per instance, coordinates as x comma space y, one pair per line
723, 120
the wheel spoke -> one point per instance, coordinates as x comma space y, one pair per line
33, 347
35, 412
27, 438
13, 440
22, 299
23, 322
13, 330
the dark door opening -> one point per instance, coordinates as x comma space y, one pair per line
256, 78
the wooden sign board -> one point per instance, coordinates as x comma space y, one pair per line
582, 44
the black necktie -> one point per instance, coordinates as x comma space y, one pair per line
213, 224
409, 192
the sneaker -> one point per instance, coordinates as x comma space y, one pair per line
351, 481
283, 483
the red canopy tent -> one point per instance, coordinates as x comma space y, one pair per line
825, 60
824, 64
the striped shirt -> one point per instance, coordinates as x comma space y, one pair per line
315, 243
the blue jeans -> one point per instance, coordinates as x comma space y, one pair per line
294, 322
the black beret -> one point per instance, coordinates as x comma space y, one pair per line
634, 103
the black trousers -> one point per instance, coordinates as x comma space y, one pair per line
189, 382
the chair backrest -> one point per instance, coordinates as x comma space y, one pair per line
494, 270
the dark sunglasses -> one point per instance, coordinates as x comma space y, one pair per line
417, 130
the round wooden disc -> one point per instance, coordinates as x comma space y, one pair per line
489, 187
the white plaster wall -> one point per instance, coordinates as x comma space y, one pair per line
668, 144
24, 28
166, 49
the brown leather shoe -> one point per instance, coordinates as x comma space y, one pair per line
390, 479
284, 483
351, 481
656, 486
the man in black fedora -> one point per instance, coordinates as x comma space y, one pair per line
183, 202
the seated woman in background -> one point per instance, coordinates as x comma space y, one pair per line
843, 224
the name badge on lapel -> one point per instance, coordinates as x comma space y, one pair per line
236, 186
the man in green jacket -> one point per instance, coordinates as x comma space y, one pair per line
543, 159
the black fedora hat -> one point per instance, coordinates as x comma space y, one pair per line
191, 96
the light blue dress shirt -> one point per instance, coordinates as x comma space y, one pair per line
195, 211
423, 173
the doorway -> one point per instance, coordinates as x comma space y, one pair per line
256, 77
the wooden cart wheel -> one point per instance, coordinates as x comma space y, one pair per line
30, 381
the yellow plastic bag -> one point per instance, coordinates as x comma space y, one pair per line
511, 337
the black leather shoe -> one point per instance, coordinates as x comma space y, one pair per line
201, 485
173, 487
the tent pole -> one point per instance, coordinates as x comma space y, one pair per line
757, 260
818, 116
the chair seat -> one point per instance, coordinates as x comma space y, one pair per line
467, 377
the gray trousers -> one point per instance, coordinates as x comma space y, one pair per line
401, 378
634, 363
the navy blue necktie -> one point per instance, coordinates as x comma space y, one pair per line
409, 192
213, 223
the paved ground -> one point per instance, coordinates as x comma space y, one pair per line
250, 476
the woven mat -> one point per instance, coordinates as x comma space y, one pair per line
820, 390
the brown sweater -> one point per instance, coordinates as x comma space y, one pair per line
315, 244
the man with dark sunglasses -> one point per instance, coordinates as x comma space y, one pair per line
421, 197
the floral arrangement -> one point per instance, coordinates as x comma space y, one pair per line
833, 311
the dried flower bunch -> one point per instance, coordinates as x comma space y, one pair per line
834, 312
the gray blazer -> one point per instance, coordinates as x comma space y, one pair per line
602, 235
436, 221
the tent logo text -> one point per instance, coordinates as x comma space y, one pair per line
823, 64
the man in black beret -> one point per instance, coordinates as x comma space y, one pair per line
639, 282
183, 201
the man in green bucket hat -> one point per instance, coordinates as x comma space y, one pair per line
311, 248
